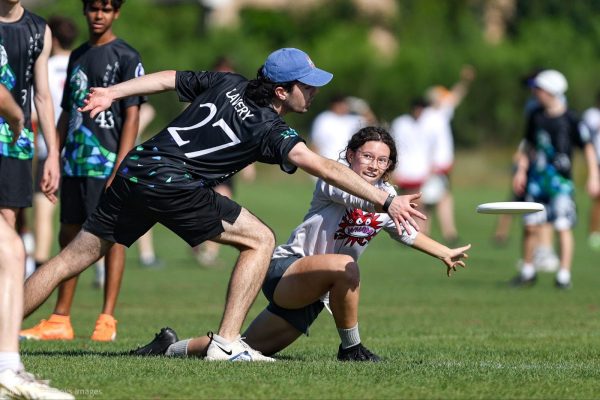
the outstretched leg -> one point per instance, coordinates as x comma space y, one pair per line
83, 251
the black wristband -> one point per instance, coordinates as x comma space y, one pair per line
388, 201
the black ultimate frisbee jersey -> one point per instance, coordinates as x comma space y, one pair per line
91, 145
220, 133
21, 43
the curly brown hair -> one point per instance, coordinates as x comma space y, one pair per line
374, 134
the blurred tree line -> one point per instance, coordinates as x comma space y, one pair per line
434, 38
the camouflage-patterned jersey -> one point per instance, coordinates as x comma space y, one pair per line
91, 145
219, 134
551, 141
21, 43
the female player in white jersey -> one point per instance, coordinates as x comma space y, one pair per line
319, 263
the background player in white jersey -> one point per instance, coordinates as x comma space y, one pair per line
415, 143
591, 117
442, 103
332, 128
230, 123
319, 263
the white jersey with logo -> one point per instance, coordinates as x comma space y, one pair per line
331, 132
340, 223
591, 117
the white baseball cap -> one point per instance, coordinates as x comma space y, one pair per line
551, 81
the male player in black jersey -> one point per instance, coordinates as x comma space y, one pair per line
230, 123
24, 49
93, 148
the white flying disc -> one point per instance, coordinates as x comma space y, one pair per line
509, 207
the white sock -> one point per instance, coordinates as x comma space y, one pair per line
563, 276
528, 271
350, 337
178, 349
10, 360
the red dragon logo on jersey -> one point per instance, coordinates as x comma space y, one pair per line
358, 226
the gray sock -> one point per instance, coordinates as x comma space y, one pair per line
350, 337
178, 349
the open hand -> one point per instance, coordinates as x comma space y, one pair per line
97, 100
455, 259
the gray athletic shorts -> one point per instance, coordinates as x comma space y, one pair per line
300, 318
560, 211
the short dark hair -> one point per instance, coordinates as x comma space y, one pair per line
115, 3
374, 134
262, 91
64, 30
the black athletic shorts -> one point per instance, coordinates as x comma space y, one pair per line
16, 182
127, 210
79, 197
300, 318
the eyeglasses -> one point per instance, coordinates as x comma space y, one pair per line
368, 158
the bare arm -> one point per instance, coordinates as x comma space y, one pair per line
520, 177
452, 258
45, 111
100, 99
461, 88
402, 209
11, 112
593, 181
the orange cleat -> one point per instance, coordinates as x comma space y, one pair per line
106, 329
57, 327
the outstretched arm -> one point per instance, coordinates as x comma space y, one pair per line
100, 99
451, 257
401, 209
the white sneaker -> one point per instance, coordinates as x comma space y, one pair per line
23, 385
220, 349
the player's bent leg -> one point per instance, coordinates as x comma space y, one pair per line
310, 277
256, 242
84, 250
269, 333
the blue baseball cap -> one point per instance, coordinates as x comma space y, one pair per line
289, 64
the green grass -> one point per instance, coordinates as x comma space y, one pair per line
467, 337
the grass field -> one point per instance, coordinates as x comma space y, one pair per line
467, 337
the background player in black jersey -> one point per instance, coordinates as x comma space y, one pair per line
93, 148
230, 123
544, 173
14, 380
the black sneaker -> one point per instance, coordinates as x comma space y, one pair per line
158, 346
357, 353
563, 286
519, 281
